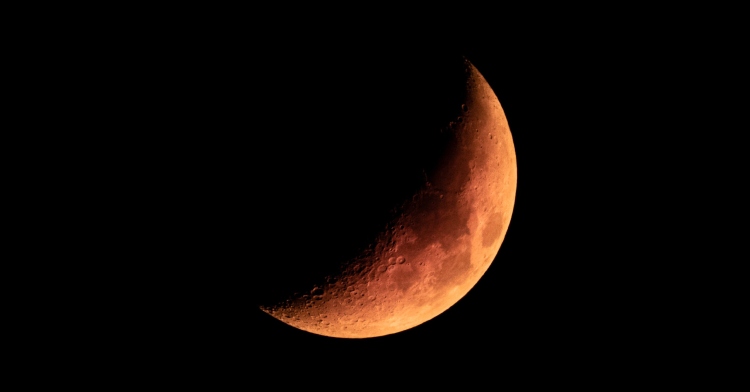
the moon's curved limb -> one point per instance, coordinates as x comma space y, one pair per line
438, 248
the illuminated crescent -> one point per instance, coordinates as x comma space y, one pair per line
432, 254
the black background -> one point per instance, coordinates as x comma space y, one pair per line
231, 168
187, 158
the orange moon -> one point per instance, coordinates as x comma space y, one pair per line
427, 258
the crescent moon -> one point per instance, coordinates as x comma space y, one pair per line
429, 256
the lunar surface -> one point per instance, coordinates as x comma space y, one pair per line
438, 246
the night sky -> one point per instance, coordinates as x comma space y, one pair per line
246, 175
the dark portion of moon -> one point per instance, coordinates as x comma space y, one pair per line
366, 128
408, 214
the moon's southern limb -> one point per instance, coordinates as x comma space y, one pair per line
439, 245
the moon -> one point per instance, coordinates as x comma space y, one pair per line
439, 243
